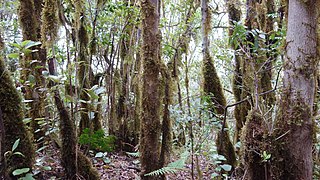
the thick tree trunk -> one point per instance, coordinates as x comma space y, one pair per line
295, 122
12, 117
150, 124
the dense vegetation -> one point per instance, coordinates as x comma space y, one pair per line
209, 89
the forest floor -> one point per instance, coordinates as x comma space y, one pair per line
112, 166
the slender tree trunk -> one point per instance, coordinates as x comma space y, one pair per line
212, 87
234, 12
29, 19
150, 124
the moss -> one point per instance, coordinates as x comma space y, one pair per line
27, 20
69, 142
12, 115
212, 86
50, 23
86, 170
255, 141
150, 122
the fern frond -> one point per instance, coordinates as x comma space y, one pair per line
172, 167
134, 154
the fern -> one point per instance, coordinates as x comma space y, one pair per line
134, 154
172, 167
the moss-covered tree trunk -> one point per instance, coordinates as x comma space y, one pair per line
12, 117
83, 74
213, 88
234, 12
29, 15
150, 124
293, 157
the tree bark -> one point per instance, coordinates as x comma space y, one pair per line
150, 124
295, 122
213, 88
12, 116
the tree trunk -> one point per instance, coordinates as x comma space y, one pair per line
12, 116
29, 16
213, 88
150, 124
295, 122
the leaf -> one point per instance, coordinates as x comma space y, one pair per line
18, 153
27, 100
213, 175
45, 73
29, 176
99, 155
30, 44
42, 148
27, 120
100, 90
14, 55
134, 154
18, 172
15, 145
47, 168
106, 160
92, 94
31, 79
56, 79
226, 167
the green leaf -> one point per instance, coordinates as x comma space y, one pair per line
106, 160
99, 155
31, 79
27, 120
28, 44
47, 168
14, 55
29, 176
18, 153
92, 94
214, 175
226, 167
56, 79
45, 73
18, 172
15, 145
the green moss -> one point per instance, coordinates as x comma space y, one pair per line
255, 140
50, 23
12, 115
86, 170
212, 86
27, 20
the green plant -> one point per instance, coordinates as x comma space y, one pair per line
17, 172
97, 140
172, 167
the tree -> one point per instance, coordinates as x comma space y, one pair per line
12, 115
150, 124
32, 64
295, 123
213, 88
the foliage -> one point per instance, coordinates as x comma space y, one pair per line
20, 171
172, 167
97, 140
